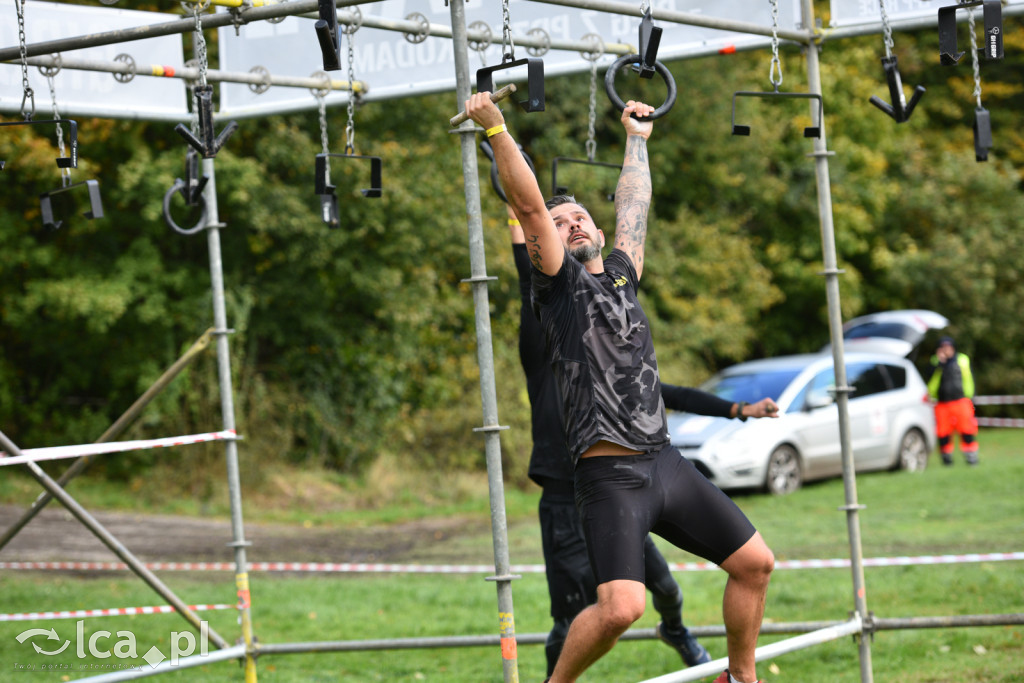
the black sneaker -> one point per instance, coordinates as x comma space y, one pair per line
692, 652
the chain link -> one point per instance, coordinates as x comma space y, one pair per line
65, 173
350, 127
29, 96
974, 56
322, 103
592, 56
199, 48
886, 29
775, 70
506, 33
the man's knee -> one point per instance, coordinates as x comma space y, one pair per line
752, 563
620, 606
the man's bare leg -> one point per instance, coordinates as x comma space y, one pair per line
749, 570
597, 628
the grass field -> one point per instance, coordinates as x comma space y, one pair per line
940, 511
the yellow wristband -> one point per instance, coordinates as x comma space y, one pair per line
491, 132
513, 221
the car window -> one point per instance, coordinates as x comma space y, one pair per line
820, 390
891, 330
866, 379
752, 387
897, 375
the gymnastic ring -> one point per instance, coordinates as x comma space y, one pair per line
666, 75
179, 186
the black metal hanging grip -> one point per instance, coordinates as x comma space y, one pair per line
485, 147
95, 203
809, 131
534, 81
327, 33
322, 184
662, 70
900, 109
557, 189
208, 144
649, 40
949, 53
62, 162
982, 134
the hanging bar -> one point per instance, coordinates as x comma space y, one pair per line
62, 162
95, 203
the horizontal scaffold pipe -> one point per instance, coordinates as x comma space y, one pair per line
304, 8
672, 16
190, 73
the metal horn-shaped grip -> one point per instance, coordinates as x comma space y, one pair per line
207, 144
327, 33
900, 110
949, 53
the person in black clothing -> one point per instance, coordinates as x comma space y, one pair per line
571, 583
628, 479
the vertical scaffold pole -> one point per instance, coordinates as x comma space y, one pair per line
227, 407
835, 324
485, 356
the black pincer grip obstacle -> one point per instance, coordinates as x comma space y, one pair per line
660, 69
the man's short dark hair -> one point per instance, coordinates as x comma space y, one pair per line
560, 199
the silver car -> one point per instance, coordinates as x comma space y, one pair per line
891, 422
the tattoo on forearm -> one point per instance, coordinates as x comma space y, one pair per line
533, 248
632, 200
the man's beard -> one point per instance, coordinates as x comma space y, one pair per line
586, 252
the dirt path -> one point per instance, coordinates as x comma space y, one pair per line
55, 536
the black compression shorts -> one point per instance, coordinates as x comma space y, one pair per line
622, 498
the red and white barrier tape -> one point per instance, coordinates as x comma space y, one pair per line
1000, 422
356, 568
61, 452
113, 612
997, 400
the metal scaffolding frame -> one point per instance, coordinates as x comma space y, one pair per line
862, 624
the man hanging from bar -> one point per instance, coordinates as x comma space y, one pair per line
629, 479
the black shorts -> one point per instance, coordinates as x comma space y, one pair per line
622, 498
571, 584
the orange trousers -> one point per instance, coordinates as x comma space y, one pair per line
956, 416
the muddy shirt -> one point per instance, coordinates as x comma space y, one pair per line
598, 341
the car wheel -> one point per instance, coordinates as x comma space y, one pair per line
913, 453
783, 471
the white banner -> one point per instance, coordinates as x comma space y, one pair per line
868, 12
46, 21
392, 66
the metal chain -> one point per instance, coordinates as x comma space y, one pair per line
974, 56
29, 96
775, 70
592, 114
506, 33
886, 29
350, 127
200, 53
65, 173
322, 102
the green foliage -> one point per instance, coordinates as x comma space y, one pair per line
353, 343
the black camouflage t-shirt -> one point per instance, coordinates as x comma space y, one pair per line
599, 344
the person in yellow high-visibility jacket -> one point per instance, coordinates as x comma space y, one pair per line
951, 386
